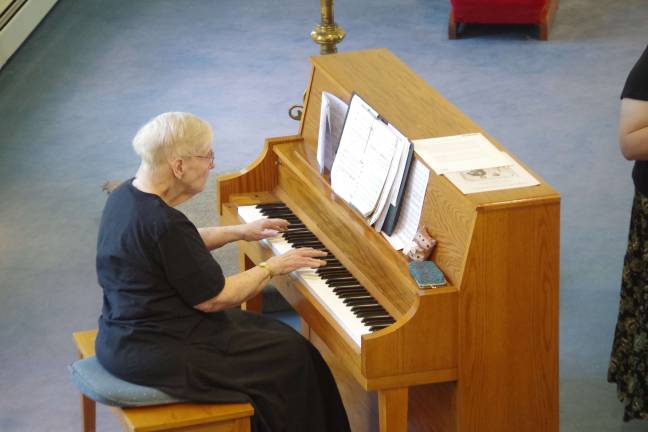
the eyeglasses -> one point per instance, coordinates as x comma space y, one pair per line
209, 156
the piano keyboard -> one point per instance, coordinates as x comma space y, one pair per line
333, 285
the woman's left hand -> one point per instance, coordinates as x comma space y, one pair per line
263, 228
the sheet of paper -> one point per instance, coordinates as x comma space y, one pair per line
362, 163
376, 172
509, 176
412, 206
401, 156
332, 114
384, 200
459, 153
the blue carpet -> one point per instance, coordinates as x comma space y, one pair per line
73, 96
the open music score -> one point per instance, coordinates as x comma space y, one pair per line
479, 354
371, 164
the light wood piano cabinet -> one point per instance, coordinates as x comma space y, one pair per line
479, 355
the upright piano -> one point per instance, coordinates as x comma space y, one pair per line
480, 354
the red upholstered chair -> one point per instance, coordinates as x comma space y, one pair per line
539, 12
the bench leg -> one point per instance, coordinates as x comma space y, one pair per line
88, 414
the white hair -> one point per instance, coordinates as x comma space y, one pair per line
170, 135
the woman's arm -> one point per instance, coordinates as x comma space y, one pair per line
215, 237
633, 129
243, 286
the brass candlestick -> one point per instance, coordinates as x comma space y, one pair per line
327, 34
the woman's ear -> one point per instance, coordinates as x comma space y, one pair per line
178, 167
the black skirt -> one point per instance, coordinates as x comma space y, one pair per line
240, 356
628, 366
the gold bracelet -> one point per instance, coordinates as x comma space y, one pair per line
266, 266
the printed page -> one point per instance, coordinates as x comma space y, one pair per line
459, 153
412, 206
377, 173
361, 166
332, 114
509, 176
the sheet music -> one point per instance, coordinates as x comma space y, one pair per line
384, 199
363, 161
332, 114
400, 161
459, 153
412, 206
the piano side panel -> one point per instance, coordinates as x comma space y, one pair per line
508, 321
449, 219
259, 176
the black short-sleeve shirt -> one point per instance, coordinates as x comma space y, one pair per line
636, 87
153, 267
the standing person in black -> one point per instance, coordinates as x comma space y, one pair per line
629, 360
170, 318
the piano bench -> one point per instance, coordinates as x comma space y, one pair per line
141, 408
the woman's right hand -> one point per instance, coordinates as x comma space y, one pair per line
296, 259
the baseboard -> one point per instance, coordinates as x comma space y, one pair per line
14, 33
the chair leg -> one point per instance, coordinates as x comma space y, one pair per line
543, 31
88, 414
452, 26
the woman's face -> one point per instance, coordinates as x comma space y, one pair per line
198, 167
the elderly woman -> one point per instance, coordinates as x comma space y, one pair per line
169, 317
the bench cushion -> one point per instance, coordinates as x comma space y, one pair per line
99, 385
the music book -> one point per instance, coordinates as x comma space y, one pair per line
371, 165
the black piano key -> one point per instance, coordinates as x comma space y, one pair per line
362, 314
377, 327
350, 292
271, 205
332, 267
349, 287
378, 321
366, 312
355, 296
341, 282
368, 309
280, 214
333, 272
352, 301
277, 211
311, 244
299, 235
